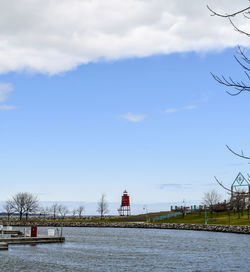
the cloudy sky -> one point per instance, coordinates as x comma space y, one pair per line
97, 96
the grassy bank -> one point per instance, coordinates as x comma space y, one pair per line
221, 218
218, 218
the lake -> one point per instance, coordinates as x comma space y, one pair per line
116, 249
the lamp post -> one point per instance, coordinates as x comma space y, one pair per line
146, 210
205, 208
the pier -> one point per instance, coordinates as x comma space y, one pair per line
16, 237
4, 246
31, 240
12, 232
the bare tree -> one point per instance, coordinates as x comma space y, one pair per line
102, 206
80, 210
44, 211
18, 204
31, 205
239, 199
74, 212
24, 203
238, 202
8, 207
54, 210
63, 210
210, 199
248, 208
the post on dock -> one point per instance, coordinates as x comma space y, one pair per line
33, 231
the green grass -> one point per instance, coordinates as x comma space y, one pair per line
218, 218
136, 218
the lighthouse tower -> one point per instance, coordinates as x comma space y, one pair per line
125, 205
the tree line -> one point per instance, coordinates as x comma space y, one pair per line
25, 204
237, 203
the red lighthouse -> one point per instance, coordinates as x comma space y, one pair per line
125, 205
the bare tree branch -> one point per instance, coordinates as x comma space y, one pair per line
230, 190
237, 154
245, 12
238, 86
242, 11
220, 183
243, 61
237, 29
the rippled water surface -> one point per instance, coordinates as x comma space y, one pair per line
109, 249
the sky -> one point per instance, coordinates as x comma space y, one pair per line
98, 96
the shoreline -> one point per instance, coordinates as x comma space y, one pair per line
245, 229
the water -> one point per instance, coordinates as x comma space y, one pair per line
114, 250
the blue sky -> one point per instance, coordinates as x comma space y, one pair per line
68, 138
154, 123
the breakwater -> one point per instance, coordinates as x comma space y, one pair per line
197, 227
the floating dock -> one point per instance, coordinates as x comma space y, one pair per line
16, 237
31, 240
4, 246
12, 232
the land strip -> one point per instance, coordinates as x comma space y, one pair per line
198, 227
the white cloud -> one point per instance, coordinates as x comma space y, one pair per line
5, 90
173, 110
7, 107
134, 117
54, 36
